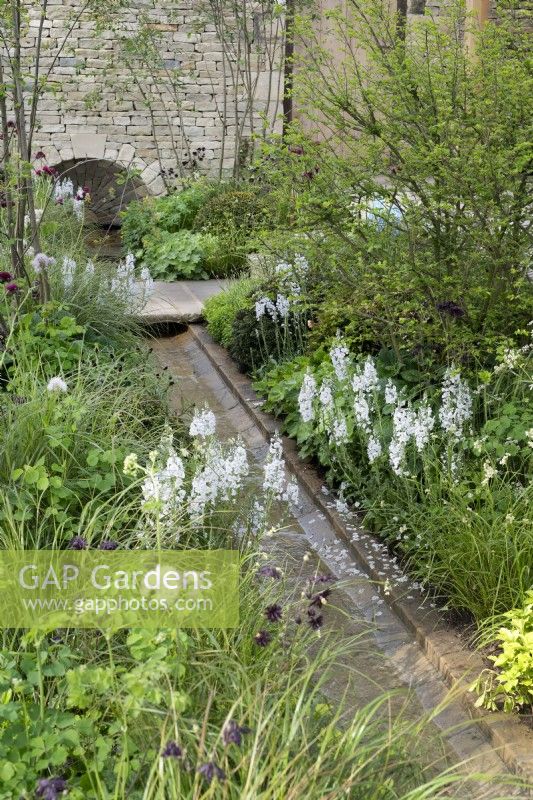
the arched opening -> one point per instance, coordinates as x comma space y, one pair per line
111, 187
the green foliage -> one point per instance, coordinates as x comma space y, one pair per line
511, 685
222, 309
137, 222
459, 511
175, 256
418, 202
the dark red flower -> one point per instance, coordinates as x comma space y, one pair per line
316, 622
267, 571
274, 613
12, 288
5, 277
263, 638
40, 155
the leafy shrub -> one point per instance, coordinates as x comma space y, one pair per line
200, 231
512, 684
137, 222
425, 222
173, 256
222, 309
232, 211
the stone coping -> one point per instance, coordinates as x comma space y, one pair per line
445, 648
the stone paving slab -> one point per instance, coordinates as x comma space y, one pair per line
179, 301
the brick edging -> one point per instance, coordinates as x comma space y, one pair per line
445, 648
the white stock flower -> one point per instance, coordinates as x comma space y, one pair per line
423, 423
362, 411
274, 479
203, 423
57, 384
283, 306
339, 355
402, 423
89, 269
391, 393
456, 407
325, 397
306, 397
68, 270
265, 305
339, 431
63, 190
373, 449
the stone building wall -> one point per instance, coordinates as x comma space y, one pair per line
96, 111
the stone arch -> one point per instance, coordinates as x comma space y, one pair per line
111, 187
113, 172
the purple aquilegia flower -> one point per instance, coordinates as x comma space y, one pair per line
316, 621
12, 288
322, 579
40, 155
108, 544
233, 732
77, 543
269, 572
274, 613
172, 750
451, 308
262, 638
319, 599
51, 788
5, 277
210, 770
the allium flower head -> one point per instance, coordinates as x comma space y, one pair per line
57, 384
232, 732
274, 613
42, 261
12, 288
108, 544
263, 638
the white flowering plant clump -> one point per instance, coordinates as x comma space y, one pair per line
349, 404
184, 489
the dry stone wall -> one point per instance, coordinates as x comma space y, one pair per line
96, 110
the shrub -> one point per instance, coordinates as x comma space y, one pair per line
232, 211
512, 684
429, 219
173, 256
222, 309
137, 222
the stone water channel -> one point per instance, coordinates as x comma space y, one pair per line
385, 656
